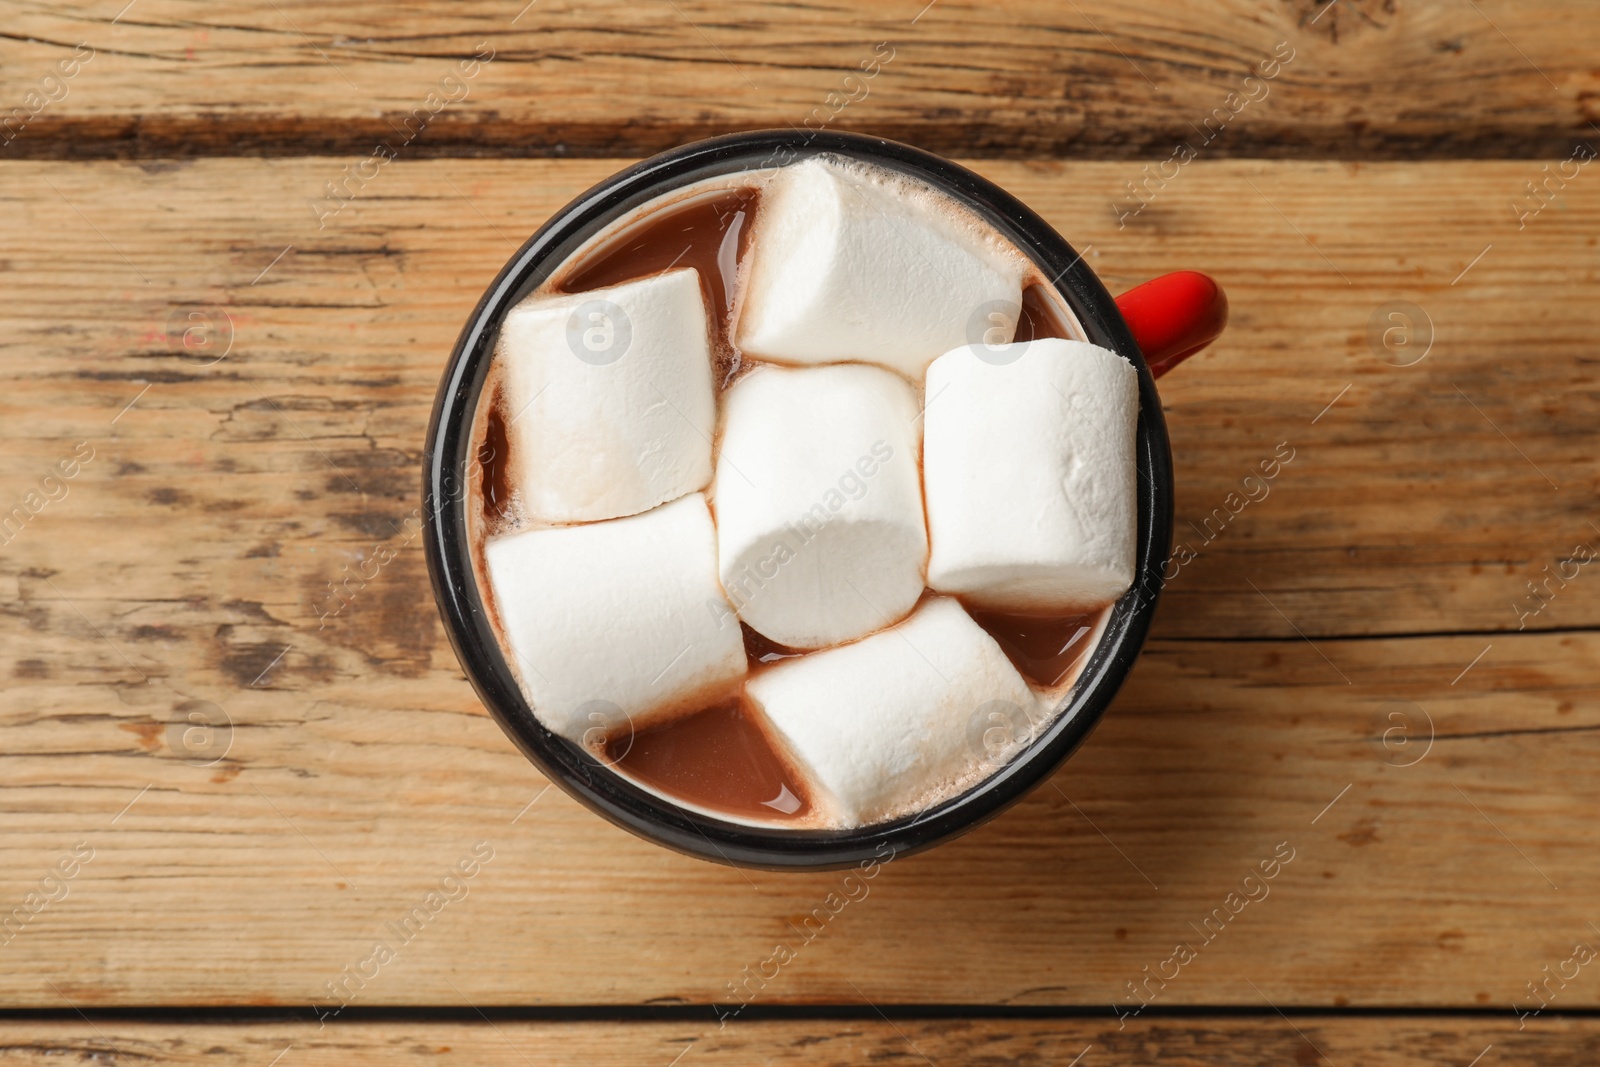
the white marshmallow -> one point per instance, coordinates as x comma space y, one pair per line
896, 721
1030, 474
617, 622
609, 398
855, 263
818, 496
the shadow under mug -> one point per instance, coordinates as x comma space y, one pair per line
1169, 318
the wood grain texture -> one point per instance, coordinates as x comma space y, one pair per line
1184, 1042
186, 567
1030, 78
339, 808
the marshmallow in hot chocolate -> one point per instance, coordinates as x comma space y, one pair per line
852, 263
617, 624
886, 725
818, 496
609, 399
1029, 468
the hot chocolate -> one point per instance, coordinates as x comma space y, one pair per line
791, 483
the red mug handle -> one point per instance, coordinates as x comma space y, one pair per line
1174, 316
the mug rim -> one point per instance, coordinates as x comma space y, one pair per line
448, 446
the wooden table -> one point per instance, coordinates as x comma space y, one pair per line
217, 795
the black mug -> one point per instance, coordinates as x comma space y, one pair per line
1176, 315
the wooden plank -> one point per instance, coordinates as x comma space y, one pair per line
1422, 498
1030, 78
185, 569
272, 876
1181, 1042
